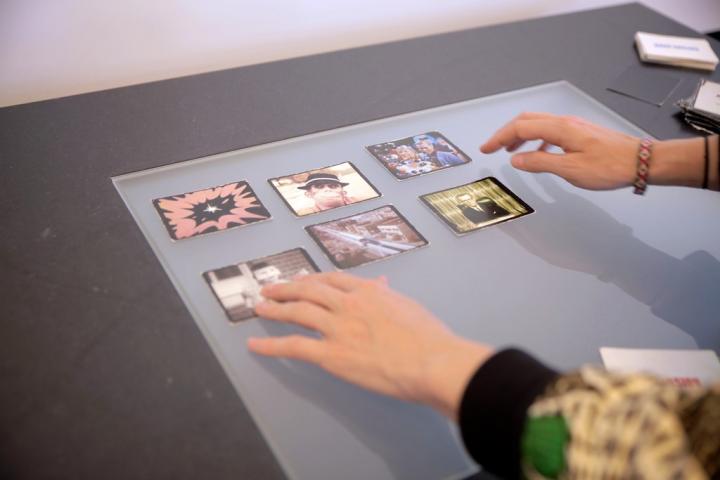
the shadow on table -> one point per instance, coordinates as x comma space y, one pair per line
575, 234
571, 233
413, 441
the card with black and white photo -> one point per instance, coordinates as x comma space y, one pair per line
237, 286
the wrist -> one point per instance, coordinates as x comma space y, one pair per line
447, 374
678, 163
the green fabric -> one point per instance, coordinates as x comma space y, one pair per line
543, 445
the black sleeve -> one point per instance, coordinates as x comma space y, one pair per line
494, 407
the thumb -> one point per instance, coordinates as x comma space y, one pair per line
538, 162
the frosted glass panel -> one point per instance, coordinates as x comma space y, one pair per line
587, 269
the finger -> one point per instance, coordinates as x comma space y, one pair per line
485, 148
304, 314
339, 280
515, 146
529, 116
301, 290
516, 133
296, 347
544, 146
552, 130
539, 162
536, 115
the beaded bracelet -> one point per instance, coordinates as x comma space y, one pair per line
643, 166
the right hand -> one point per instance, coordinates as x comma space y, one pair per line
593, 157
371, 336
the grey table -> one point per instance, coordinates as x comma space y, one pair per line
104, 372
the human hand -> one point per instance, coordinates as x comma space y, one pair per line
371, 336
593, 157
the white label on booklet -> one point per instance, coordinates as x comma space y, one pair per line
680, 48
685, 368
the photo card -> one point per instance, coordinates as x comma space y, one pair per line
476, 205
237, 286
209, 210
323, 189
424, 153
366, 237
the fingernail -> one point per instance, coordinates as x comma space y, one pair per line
253, 343
518, 161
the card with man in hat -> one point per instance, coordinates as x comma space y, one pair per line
323, 189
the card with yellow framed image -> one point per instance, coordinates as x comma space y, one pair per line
476, 205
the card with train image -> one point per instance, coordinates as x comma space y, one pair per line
366, 237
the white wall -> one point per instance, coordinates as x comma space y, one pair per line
53, 48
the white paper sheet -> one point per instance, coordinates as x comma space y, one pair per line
683, 367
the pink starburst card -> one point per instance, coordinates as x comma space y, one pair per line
210, 210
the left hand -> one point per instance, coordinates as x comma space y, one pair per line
594, 157
371, 336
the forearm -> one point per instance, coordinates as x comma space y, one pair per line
494, 408
682, 163
446, 372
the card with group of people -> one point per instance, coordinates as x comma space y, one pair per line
349, 241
